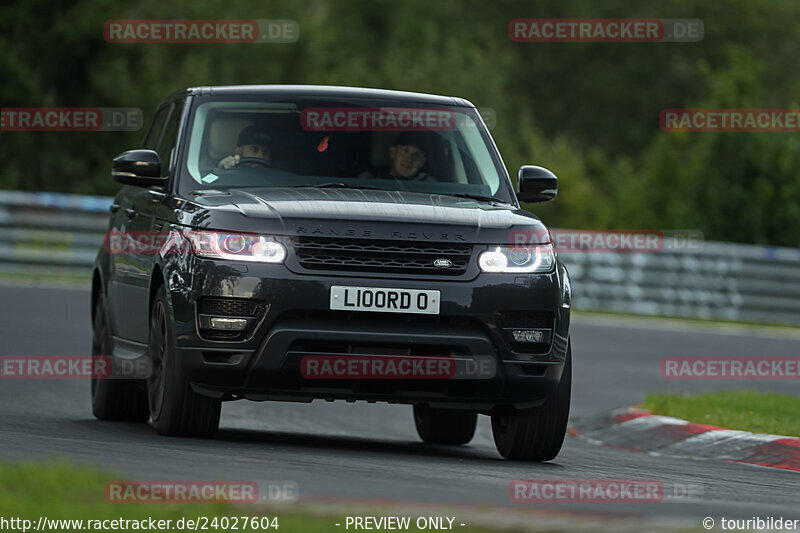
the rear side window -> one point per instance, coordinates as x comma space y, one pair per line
166, 148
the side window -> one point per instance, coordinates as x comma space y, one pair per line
157, 126
166, 148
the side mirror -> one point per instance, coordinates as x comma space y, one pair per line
138, 167
536, 184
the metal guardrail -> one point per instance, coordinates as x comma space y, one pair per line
47, 233
716, 281
61, 233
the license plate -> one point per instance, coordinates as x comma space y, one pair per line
385, 300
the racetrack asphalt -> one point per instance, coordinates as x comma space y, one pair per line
371, 451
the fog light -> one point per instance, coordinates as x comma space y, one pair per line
229, 324
521, 335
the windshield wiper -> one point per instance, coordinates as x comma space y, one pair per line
477, 197
339, 185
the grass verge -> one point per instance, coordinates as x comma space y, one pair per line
36, 278
757, 412
62, 491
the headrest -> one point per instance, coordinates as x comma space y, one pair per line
381, 142
223, 135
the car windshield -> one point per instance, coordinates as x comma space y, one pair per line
353, 144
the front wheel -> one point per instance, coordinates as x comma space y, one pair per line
123, 400
175, 408
444, 426
535, 434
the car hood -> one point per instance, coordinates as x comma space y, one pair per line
358, 213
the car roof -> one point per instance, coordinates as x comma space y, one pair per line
331, 91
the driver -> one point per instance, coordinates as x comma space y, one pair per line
252, 143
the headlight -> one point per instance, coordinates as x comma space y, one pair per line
237, 246
523, 259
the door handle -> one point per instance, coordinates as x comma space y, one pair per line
131, 212
114, 208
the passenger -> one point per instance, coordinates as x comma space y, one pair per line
407, 156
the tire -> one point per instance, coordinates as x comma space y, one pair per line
122, 400
535, 434
444, 426
175, 408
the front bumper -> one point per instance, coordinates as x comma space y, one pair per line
296, 322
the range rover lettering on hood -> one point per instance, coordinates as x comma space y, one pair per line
320, 231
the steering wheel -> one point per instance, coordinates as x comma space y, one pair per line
253, 162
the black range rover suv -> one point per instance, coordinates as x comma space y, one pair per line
306, 242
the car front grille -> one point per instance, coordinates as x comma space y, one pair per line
395, 257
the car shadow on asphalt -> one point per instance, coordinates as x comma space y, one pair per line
288, 441
357, 444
